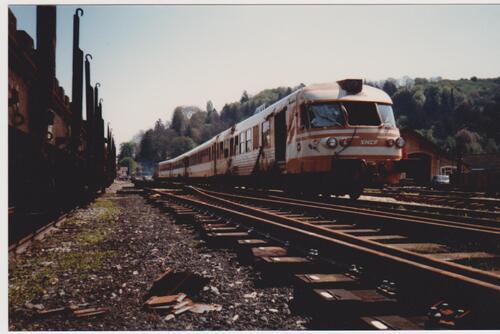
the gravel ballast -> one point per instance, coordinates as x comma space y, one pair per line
108, 254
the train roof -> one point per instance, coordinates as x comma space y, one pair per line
333, 91
314, 92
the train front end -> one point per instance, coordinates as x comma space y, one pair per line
347, 137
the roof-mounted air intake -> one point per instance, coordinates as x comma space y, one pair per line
352, 86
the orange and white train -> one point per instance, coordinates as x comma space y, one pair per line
327, 138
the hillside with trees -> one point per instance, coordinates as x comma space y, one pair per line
450, 113
459, 116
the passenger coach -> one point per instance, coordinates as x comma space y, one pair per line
329, 138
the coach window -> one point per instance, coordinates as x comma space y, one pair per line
231, 147
266, 134
249, 140
242, 142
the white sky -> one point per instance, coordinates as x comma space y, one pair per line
150, 59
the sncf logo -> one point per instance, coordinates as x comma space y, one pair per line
369, 141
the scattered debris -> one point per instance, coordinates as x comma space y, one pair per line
202, 308
90, 312
53, 311
165, 300
171, 282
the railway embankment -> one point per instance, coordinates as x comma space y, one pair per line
95, 272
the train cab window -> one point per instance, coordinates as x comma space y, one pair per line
386, 115
323, 115
362, 113
249, 140
242, 142
266, 134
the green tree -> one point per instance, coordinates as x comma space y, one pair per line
390, 87
127, 150
181, 145
179, 121
244, 97
130, 163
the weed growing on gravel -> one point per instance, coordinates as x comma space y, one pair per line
31, 277
94, 236
109, 210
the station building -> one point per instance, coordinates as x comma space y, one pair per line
430, 160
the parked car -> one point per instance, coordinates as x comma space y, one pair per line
440, 181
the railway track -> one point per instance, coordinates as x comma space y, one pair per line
461, 201
463, 215
371, 239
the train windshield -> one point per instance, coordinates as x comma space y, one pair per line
386, 115
325, 114
362, 113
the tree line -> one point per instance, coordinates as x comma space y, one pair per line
459, 116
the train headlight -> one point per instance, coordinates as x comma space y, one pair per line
400, 142
331, 142
390, 142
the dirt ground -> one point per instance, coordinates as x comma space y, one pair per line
109, 253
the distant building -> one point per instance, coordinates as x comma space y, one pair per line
480, 162
481, 172
430, 160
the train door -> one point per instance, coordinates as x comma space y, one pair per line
214, 157
280, 136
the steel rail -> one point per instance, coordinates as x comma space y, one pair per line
479, 226
483, 282
471, 201
409, 211
370, 213
452, 212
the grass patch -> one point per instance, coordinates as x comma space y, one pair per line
108, 210
92, 237
31, 277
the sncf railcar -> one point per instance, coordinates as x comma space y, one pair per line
328, 138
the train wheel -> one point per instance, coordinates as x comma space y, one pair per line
355, 194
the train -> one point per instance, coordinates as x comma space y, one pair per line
333, 138
56, 159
